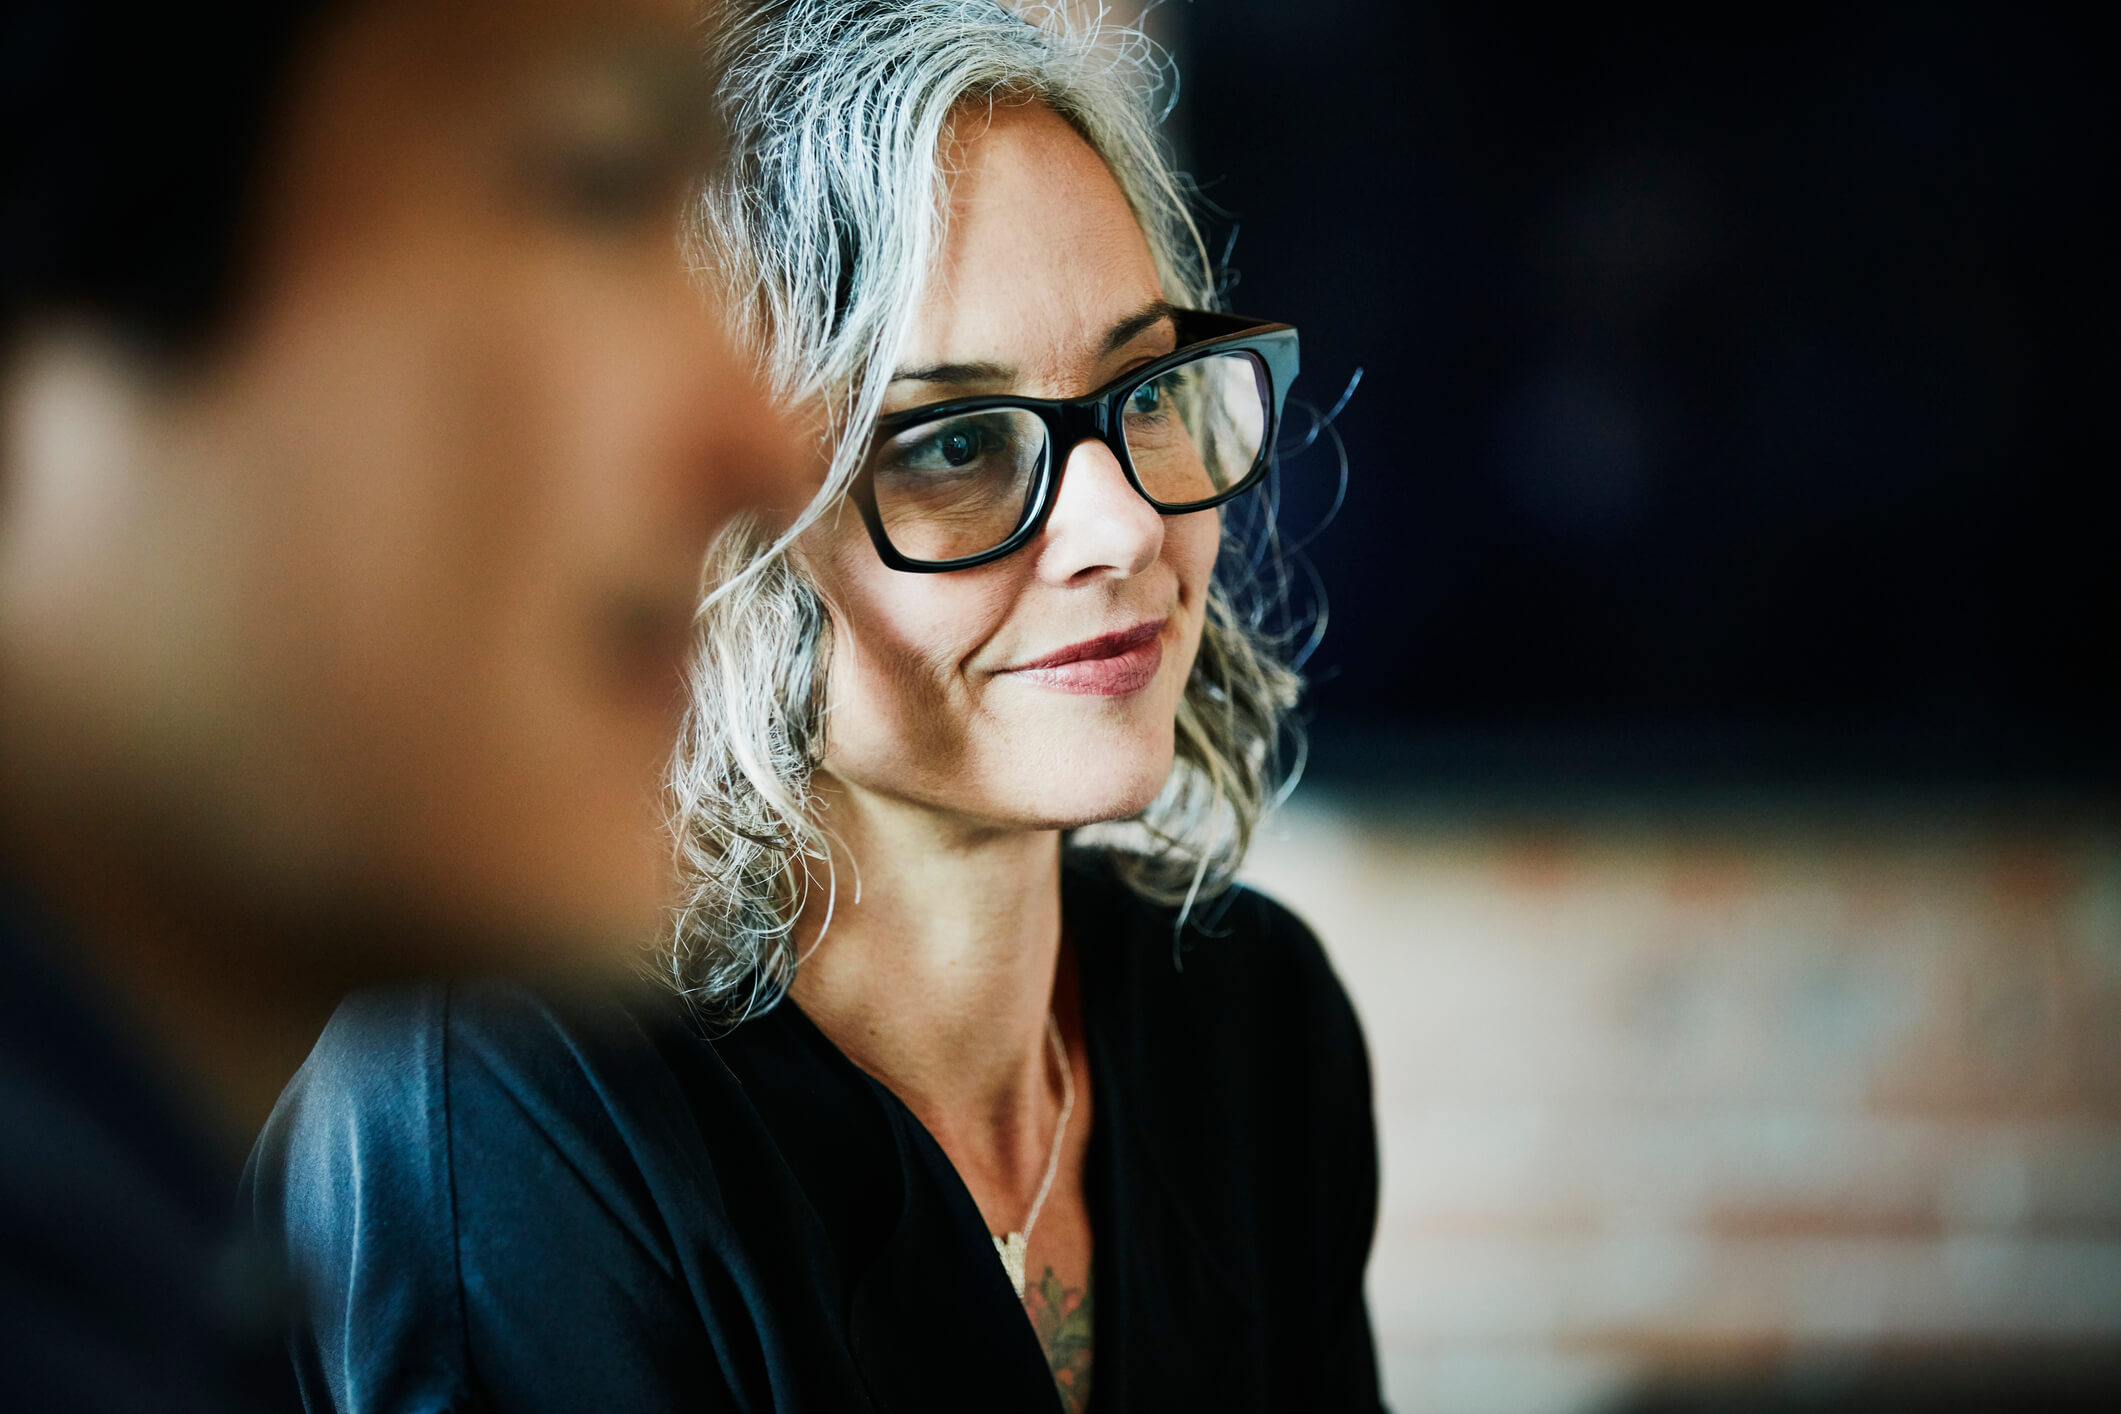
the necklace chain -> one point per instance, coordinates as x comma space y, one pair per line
1011, 1249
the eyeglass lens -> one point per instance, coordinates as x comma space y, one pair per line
960, 485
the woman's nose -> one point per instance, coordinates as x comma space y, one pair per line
1100, 525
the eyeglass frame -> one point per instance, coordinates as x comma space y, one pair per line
1070, 422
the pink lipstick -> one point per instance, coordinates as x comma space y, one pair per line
1110, 665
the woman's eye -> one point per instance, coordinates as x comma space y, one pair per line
957, 448
949, 448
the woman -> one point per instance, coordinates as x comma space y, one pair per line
1098, 1090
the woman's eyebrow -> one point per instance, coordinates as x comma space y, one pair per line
1140, 322
962, 375
956, 374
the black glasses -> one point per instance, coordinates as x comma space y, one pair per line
962, 483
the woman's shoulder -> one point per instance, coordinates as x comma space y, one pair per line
614, 1085
525, 1135
406, 1085
1240, 954
391, 1060
371, 1086
1235, 928
1236, 1051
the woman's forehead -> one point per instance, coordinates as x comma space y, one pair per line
1042, 256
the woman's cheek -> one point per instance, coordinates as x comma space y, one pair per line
1191, 543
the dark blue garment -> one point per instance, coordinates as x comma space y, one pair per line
494, 1200
124, 1286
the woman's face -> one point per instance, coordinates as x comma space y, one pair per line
946, 690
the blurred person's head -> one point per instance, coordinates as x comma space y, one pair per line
929, 202
363, 434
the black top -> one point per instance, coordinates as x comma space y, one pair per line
124, 1287
494, 1200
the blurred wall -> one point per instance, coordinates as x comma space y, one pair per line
1737, 1092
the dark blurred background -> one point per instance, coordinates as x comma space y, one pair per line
1713, 808
1739, 385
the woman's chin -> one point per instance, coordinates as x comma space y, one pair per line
1074, 803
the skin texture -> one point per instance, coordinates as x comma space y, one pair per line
350, 645
948, 777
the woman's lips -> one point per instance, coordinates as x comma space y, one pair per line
1110, 665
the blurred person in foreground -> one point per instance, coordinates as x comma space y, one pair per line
941, 1113
363, 437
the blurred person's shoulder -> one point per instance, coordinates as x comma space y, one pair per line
122, 1284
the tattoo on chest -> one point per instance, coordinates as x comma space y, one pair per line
1061, 1316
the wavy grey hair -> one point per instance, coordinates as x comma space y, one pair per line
818, 232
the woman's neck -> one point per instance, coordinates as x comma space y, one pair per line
936, 973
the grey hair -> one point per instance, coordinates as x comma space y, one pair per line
818, 232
